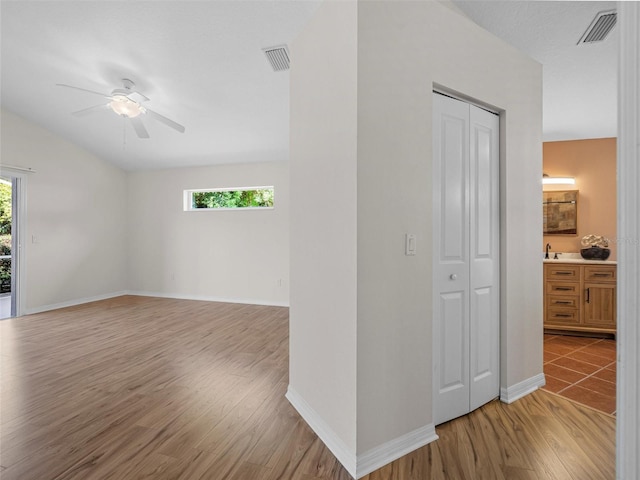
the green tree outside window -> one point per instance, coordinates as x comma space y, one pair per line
257, 198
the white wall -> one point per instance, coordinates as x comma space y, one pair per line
322, 367
238, 256
438, 47
103, 232
75, 209
404, 49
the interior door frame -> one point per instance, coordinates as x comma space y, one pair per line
628, 338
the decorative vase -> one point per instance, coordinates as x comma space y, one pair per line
595, 253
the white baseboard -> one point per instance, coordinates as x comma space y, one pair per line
80, 301
519, 390
72, 303
392, 450
360, 465
344, 455
207, 298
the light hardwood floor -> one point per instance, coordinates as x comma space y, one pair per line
148, 388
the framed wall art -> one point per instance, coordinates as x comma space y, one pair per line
560, 212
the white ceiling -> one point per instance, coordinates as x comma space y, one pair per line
201, 64
579, 81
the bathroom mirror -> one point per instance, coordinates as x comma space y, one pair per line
560, 212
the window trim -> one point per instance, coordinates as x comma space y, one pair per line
188, 198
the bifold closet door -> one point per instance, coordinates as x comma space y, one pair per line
466, 321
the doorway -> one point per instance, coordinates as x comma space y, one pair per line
466, 225
10, 257
580, 298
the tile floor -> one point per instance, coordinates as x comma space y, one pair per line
582, 369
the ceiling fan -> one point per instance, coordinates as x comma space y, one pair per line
126, 102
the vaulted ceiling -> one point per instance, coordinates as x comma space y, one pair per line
201, 64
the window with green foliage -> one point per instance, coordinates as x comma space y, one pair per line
5, 236
229, 198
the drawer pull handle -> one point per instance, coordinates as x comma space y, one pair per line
561, 302
563, 273
588, 294
564, 289
563, 315
601, 274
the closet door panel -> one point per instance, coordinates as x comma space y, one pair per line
484, 272
466, 252
451, 259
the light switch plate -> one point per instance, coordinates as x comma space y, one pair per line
410, 244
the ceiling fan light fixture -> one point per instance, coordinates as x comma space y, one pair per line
123, 105
122, 102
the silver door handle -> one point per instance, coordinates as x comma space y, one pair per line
453, 276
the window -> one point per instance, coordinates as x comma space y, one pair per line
228, 198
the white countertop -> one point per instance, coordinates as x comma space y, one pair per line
581, 260
571, 257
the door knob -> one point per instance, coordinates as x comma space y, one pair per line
453, 276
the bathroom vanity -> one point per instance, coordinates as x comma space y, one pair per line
580, 296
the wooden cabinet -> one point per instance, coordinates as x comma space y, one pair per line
562, 295
600, 297
580, 298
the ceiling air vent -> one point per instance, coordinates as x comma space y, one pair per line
600, 27
278, 57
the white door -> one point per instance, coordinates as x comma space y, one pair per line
466, 322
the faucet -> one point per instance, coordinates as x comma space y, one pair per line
546, 254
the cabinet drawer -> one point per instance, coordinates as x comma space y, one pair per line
563, 316
562, 288
599, 273
562, 301
564, 272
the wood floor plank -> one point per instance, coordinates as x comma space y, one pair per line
534, 444
149, 388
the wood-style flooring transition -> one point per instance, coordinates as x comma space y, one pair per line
147, 388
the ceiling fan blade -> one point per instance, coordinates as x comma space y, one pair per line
83, 90
139, 127
138, 97
166, 121
86, 111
